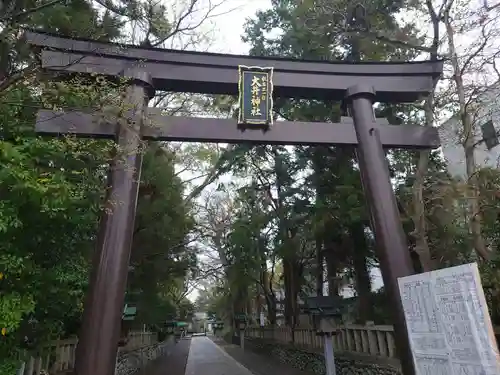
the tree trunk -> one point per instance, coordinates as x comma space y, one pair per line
361, 271
289, 246
319, 266
258, 302
271, 309
291, 292
292, 271
250, 312
269, 296
318, 161
332, 268
474, 213
288, 292
418, 217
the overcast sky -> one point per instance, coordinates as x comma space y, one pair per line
229, 26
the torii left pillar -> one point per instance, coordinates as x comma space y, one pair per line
100, 332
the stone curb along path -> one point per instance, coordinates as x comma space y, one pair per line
131, 362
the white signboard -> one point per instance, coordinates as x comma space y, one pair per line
448, 323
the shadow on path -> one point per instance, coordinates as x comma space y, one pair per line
173, 364
256, 363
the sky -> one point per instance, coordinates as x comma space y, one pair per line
229, 25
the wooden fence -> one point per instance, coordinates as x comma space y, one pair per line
373, 340
59, 356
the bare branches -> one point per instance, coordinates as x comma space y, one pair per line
467, 62
110, 6
391, 39
488, 8
180, 23
191, 284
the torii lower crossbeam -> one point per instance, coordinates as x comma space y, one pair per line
192, 129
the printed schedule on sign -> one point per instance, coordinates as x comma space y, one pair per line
448, 323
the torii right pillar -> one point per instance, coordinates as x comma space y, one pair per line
392, 247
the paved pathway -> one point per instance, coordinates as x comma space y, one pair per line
213, 356
256, 363
206, 358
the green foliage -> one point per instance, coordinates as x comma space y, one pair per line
53, 189
160, 254
186, 309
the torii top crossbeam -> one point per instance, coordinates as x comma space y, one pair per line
211, 73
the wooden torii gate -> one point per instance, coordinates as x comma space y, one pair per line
180, 71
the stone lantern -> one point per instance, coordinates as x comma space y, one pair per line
241, 323
327, 317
